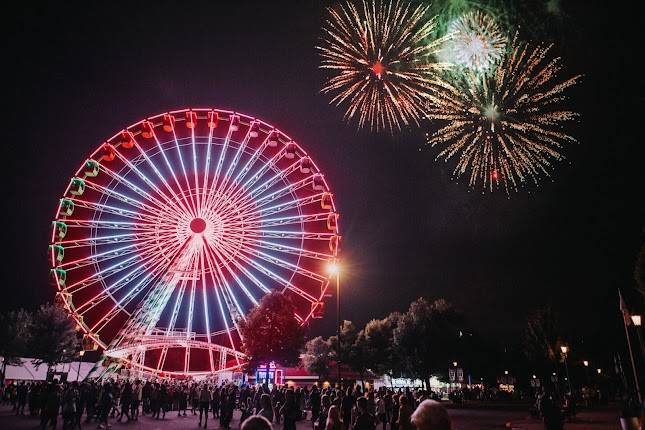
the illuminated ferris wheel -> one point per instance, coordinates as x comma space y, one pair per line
173, 229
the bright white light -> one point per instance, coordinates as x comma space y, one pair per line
333, 269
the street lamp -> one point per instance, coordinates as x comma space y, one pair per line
586, 363
637, 321
333, 269
81, 353
454, 364
565, 350
599, 371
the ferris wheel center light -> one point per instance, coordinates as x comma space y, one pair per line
198, 225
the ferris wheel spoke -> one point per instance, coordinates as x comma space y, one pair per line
289, 205
207, 165
168, 200
223, 259
121, 197
268, 198
219, 299
236, 158
205, 304
113, 210
291, 250
283, 234
151, 260
274, 276
111, 270
103, 240
249, 164
278, 177
184, 202
109, 225
173, 322
159, 205
142, 247
276, 222
210, 193
234, 309
234, 258
293, 268
183, 169
257, 175
159, 175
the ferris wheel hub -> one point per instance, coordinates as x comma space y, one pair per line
198, 225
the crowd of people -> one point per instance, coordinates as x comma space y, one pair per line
261, 408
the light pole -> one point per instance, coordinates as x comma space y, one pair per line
637, 320
565, 350
626, 319
586, 364
81, 353
333, 269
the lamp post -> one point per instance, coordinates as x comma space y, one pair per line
586, 364
333, 269
565, 351
81, 353
637, 321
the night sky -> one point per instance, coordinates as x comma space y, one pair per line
78, 75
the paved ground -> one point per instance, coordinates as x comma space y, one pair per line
463, 419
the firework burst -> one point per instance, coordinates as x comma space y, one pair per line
507, 127
476, 42
381, 59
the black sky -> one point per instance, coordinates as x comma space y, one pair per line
79, 74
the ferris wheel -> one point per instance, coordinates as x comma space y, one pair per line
175, 227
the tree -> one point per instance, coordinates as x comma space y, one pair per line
426, 337
271, 333
542, 340
54, 338
15, 332
317, 356
379, 336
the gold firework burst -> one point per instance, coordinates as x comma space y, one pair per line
507, 127
380, 56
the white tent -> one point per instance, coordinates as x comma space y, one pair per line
27, 371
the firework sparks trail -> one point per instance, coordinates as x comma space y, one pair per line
381, 58
508, 127
476, 42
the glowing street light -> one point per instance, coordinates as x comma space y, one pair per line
636, 319
586, 363
599, 371
454, 363
565, 350
333, 269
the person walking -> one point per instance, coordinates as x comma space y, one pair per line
204, 404
405, 414
364, 420
267, 410
126, 401
137, 395
289, 411
333, 419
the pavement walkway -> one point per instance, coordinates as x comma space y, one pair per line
462, 418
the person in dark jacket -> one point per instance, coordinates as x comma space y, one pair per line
49, 414
364, 420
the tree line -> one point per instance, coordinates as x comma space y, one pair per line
47, 336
